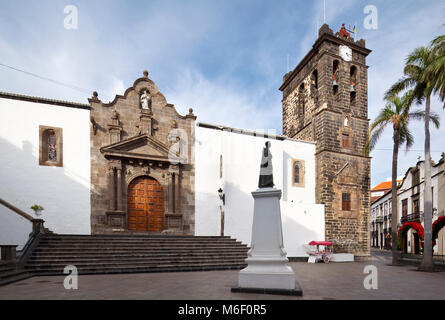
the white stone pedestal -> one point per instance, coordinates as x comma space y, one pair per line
267, 270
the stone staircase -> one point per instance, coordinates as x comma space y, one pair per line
101, 254
9, 273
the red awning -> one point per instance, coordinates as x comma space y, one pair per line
321, 243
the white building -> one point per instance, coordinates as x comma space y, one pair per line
225, 158
410, 198
230, 159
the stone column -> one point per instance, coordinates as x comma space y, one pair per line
111, 205
119, 189
177, 193
37, 224
170, 192
174, 188
8, 252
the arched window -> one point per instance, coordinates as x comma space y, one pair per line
314, 79
352, 83
335, 76
50, 146
301, 99
298, 173
314, 86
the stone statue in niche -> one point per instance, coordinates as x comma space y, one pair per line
145, 100
266, 171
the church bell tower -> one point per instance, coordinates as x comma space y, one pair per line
325, 100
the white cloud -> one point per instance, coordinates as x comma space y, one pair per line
219, 102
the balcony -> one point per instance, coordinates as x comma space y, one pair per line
414, 217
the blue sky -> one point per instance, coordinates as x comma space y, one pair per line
225, 59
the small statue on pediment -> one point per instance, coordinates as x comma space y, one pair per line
145, 100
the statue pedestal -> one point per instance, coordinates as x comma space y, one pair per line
267, 270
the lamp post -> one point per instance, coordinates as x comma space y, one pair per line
222, 197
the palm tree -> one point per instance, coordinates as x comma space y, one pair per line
422, 83
437, 67
397, 113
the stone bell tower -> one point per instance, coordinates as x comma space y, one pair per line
325, 100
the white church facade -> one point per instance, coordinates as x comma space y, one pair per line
135, 165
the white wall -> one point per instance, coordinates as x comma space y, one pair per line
64, 192
303, 220
14, 229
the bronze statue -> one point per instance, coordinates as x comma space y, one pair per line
266, 171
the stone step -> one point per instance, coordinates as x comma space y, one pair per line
143, 269
129, 247
108, 251
138, 255
13, 276
6, 268
139, 243
134, 259
143, 253
81, 237
105, 264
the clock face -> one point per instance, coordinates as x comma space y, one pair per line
345, 53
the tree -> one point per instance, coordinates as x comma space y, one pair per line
422, 83
436, 70
396, 113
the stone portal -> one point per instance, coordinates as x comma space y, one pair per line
142, 166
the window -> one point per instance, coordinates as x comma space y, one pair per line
352, 83
345, 141
404, 207
346, 201
301, 101
416, 206
50, 146
298, 173
335, 77
314, 79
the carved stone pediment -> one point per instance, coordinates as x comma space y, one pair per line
139, 147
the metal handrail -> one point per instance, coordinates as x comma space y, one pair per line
23, 253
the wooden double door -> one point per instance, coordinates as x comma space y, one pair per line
145, 205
